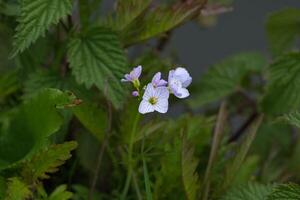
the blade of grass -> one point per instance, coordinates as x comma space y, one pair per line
217, 138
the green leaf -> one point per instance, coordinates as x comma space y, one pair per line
47, 161
93, 117
158, 21
251, 191
226, 77
60, 193
289, 191
189, 175
96, 58
283, 87
32, 123
283, 28
36, 18
17, 190
293, 118
234, 167
126, 12
9, 83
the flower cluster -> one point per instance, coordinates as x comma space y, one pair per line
156, 94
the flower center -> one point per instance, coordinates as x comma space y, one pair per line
152, 100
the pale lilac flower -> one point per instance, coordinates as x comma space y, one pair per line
135, 93
154, 99
178, 80
133, 76
157, 81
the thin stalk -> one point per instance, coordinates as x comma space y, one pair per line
130, 152
217, 137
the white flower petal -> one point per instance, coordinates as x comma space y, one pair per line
149, 92
162, 105
183, 75
182, 93
145, 107
162, 93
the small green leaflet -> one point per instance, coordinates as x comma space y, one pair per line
289, 191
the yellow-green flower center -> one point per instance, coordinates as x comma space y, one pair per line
153, 100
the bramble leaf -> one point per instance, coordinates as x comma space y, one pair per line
283, 27
289, 191
283, 87
47, 161
36, 18
225, 78
32, 123
96, 58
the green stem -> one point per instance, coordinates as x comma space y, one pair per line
130, 152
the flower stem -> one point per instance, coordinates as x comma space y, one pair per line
130, 152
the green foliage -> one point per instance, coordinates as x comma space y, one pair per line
227, 77
47, 161
282, 92
60, 193
92, 117
31, 27
9, 84
283, 29
17, 190
285, 191
126, 12
96, 58
159, 21
293, 118
189, 175
31, 126
250, 191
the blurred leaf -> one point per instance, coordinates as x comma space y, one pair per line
283, 29
250, 191
226, 77
82, 193
93, 117
189, 175
289, 191
2, 187
126, 12
158, 21
31, 27
9, 83
47, 161
96, 58
283, 87
60, 193
17, 190
32, 124
293, 118
241, 154
147, 181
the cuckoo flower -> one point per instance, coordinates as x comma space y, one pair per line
157, 81
133, 76
179, 79
154, 99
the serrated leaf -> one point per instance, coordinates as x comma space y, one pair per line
36, 18
189, 175
60, 193
17, 190
289, 191
126, 12
159, 21
283, 87
283, 27
250, 191
225, 78
96, 58
32, 123
47, 161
